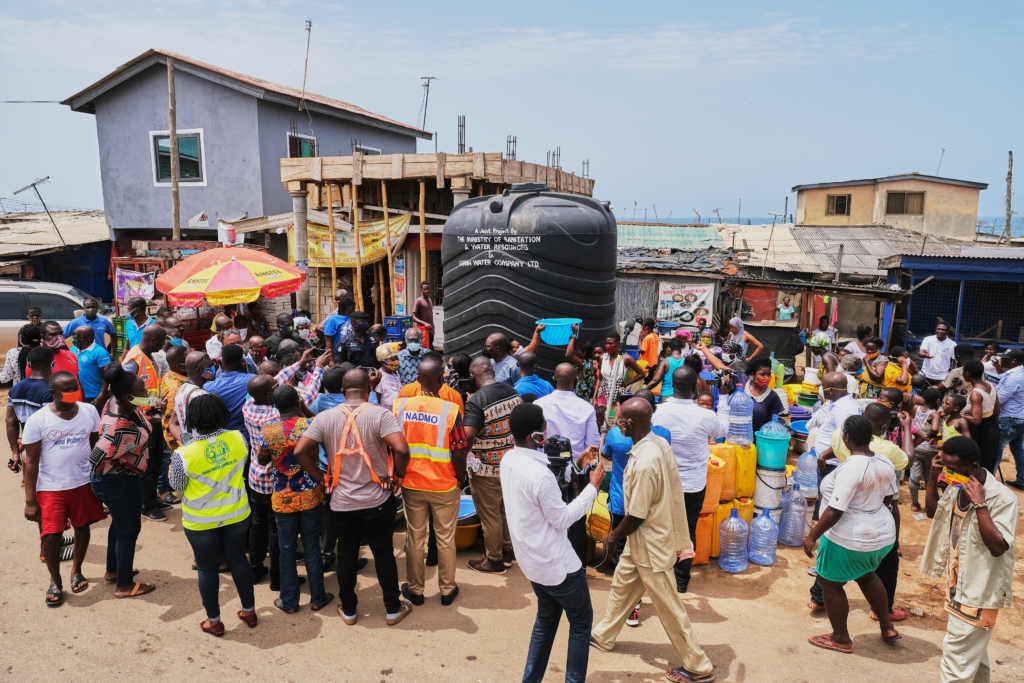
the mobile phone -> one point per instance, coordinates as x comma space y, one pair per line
318, 352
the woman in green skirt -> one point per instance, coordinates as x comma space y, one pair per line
857, 529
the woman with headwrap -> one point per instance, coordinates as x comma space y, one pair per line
744, 339
707, 339
686, 339
827, 361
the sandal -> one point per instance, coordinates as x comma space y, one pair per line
280, 605
65, 554
250, 620
137, 590
890, 639
317, 606
216, 628
79, 583
135, 572
826, 643
57, 593
679, 674
67, 540
815, 607
914, 507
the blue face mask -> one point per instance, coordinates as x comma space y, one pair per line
175, 341
210, 372
412, 346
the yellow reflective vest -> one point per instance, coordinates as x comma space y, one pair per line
215, 495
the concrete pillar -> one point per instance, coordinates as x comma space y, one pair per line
460, 194
299, 203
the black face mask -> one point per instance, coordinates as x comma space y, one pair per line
487, 353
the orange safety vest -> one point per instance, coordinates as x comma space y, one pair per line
147, 371
351, 431
427, 422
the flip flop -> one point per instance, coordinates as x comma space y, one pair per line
54, 590
67, 540
135, 572
317, 606
79, 583
138, 589
890, 639
681, 675
280, 605
826, 643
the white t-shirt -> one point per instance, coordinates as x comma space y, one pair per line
856, 350
64, 459
858, 488
186, 392
937, 367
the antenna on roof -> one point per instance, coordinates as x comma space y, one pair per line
426, 97
940, 161
718, 212
698, 214
309, 34
35, 186
655, 213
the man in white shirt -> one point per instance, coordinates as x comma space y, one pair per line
937, 351
570, 416
843, 405
58, 440
693, 428
537, 523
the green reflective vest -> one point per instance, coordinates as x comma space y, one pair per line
215, 495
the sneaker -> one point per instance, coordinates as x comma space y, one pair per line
450, 598
508, 556
486, 566
329, 559
403, 612
155, 515
597, 646
258, 572
1016, 485
634, 618
169, 498
410, 596
349, 620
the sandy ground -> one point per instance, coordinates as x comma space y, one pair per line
754, 625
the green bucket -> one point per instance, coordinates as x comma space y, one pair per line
806, 400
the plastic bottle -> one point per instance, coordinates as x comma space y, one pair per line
774, 428
741, 418
779, 370
806, 474
764, 535
733, 533
794, 518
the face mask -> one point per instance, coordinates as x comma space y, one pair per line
873, 356
727, 358
412, 346
611, 349
209, 373
392, 365
304, 334
57, 342
175, 341
539, 438
35, 321
762, 381
68, 397
952, 478
362, 327
91, 312
140, 401
286, 328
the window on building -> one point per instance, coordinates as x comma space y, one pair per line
905, 203
838, 205
367, 151
190, 161
300, 146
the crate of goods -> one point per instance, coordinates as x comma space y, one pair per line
120, 322
397, 325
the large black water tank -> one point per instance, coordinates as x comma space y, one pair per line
530, 253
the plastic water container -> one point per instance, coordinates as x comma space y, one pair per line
764, 535
727, 454
557, 331
807, 473
741, 418
746, 470
772, 448
733, 533
794, 518
775, 428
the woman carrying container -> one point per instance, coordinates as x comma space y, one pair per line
744, 339
872, 378
982, 414
210, 471
859, 525
613, 371
766, 401
663, 373
584, 355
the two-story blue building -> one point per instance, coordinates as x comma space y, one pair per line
233, 130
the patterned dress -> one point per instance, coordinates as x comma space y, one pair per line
294, 490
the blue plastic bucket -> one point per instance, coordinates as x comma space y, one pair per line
467, 508
557, 331
772, 450
799, 427
664, 327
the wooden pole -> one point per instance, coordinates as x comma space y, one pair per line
1009, 196
358, 247
423, 234
316, 306
380, 291
172, 124
330, 224
387, 231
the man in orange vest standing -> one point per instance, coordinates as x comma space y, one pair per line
437, 468
139, 360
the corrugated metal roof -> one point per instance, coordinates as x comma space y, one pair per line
776, 245
993, 252
660, 236
913, 175
251, 80
29, 233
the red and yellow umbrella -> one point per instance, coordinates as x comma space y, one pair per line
234, 282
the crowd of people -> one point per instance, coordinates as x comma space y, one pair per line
303, 442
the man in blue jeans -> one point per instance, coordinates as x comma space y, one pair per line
537, 523
296, 502
1010, 391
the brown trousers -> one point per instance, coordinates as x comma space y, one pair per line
490, 508
419, 505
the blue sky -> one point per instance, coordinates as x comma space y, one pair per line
677, 105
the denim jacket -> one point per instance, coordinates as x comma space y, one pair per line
985, 582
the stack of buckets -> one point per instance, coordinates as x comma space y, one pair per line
772, 452
731, 476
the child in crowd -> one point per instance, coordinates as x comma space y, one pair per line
950, 422
925, 414
706, 399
